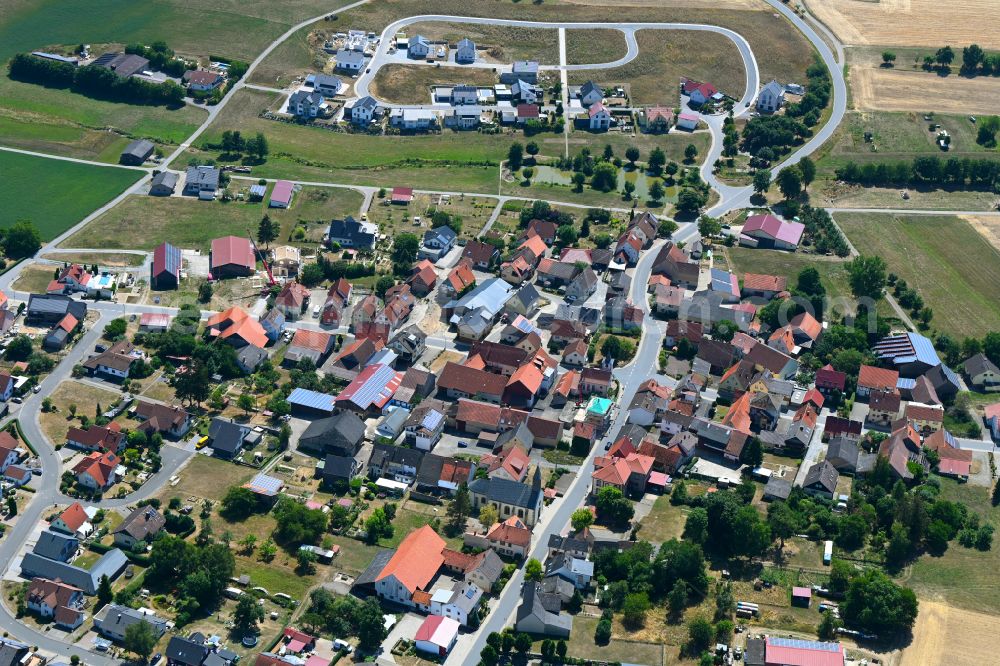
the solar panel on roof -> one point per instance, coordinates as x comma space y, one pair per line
312, 399
804, 644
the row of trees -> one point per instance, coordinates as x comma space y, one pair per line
93, 81
234, 143
925, 170
974, 60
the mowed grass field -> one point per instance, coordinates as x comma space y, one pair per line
411, 84
953, 267
667, 55
192, 224
831, 270
55, 194
61, 122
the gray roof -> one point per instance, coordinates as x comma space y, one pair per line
444, 235
186, 651
251, 356
226, 436
590, 87
531, 605
843, 453
349, 57
824, 474
143, 523
374, 568
465, 596
489, 294
303, 97
557, 585
55, 305
338, 467
527, 295
366, 102
575, 565
490, 566
755, 652
205, 177
359, 233
343, 430
167, 179
56, 546
978, 364
11, 652
140, 148
385, 454
326, 80
505, 491
778, 487
110, 564
115, 619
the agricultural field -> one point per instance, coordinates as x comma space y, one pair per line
593, 46
55, 194
832, 270
231, 28
192, 224
952, 266
876, 88
667, 55
61, 122
944, 634
908, 22
411, 84
499, 43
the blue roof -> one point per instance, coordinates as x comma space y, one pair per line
905, 383
804, 645
908, 348
258, 190
312, 399
432, 419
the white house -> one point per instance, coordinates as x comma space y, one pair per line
456, 603
305, 104
600, 119
465, 52
464, 94
418, 46
326, 85
412, 119
528, 93
688, 121
437, 635
364, 110
350, 60
590, 93
771, 97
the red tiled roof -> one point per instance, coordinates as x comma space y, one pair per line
234, 250
807, 324
402, 194
924, 413
877, 378
314, 340
760, 282
827, 377
511, 531
471, 380
417, 560
74, 516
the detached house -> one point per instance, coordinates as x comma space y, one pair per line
352, 234
590, 93
97, 471
982, 374
598, 118
771, 97
465, 51
437, 242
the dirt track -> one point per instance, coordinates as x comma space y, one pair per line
910, 22
946, 635
880, 89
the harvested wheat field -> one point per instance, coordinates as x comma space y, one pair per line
699, 4
988, 227
910, 22
947, 635
877, 89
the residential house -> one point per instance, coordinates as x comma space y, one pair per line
55, 599
96, 438
394, 462
364, 111
412, 119
821, 480
349, 60
169, 421
313, 345
510, 538
97, 471
511, 462
482, 255
688, 121
114, 620
115, 362
539, 616
422, 278
771, 97
763, 286
436, 635
926, 419
509, 498
577, 570
351, 233
226, 437
673, 263
338, 297
326, 85
184, 651
590, 93
698, 92
409, 344
465, 51
657, 119
952, 460
982, 374
829, 380
52, 309
201, 80
629, 474
598, 118
285, 260
418, 46
73, 520
523, 302
425, 424
232, 256
201, 181
883, 408
292, 301
575, 353
163, 184
237, 327
140, 527
337, 471
440, 474
876, 380
437, 242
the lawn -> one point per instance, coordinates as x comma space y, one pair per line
664, 522
411, 84
190, 223
411, 516
62, 122
664, 57
54, 194
581, 644
832, 271
962, 577
102, 259
56, 424
594, 46
952, 267
34, 278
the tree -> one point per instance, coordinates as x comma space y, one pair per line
612, 507
115, 329
561, 648
581, 518
384, 284
21, 240
944, 56
677, 600
753, 453
140, 639
104, 593
807, 170
578, 181
657, 159
656, 191
267, 550
260, 147
632, 155
690, 201
239, 503
782, 520
690, 153
19, 348
205, 292
972, 56
404, 251
709, 226
790, 182
489, 656
267, 230
533, 570
628, 189
306, 562
311, 274
602, 634
827, 628
995, 499
761, 181
531, 148
700, 634
11, 506
867, 276
515, 156
876, 604
246, 403
458, 510
634, 610
370, 624
696, 524
248, 544
605, 178
488, 515
247, 614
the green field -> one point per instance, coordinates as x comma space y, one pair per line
962, 577
896, 136
55, 194
57, 121
190, 223
832, 271
232, 28
952, 267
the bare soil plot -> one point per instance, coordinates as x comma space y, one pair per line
587, 47
944, 634
411, 84
501, 43
909, 22
667, 55
875, 88
102, 259
206, 477
988, 227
